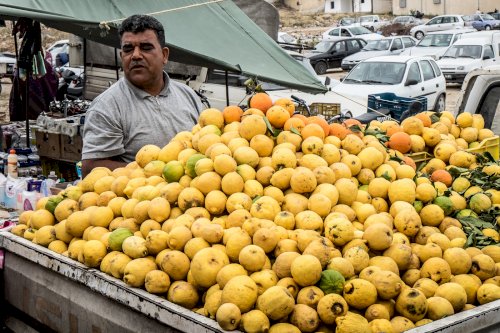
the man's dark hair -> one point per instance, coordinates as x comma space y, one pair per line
141, 23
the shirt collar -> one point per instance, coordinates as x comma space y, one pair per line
142, 94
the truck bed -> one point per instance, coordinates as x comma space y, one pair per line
67, 296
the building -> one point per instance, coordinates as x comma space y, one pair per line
340, 6
441, 7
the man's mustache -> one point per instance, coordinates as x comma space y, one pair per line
136, 64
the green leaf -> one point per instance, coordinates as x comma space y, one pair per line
355, 129
386, 176
256, 198
295, 131
434, 118
268, 125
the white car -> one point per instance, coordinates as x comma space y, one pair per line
351, 31
211, 83
393, 45
405, 76
438, 23
407, 20
286, 38
435, 44
61, 46
478, 50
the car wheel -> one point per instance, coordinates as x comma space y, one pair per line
419, 35
440, 103
487, 27
320, 68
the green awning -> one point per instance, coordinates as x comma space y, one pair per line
210, 33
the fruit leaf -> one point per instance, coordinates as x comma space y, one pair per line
386, 176
295, 131
355, 128
256, 198
395, 158
434, 118
268, 125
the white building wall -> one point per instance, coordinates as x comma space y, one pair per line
339, 6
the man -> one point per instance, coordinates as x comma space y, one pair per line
144, 107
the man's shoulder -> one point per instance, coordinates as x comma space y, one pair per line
181, 86
114, 93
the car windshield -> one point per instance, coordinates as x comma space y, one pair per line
359, 31
323, 46
436, 40
376, 73
402, 19
377, 45
464, 51
487, 17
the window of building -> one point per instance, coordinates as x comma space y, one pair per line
332, 4
402, 3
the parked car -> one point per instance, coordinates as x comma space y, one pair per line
405, 76
407, 20
371, 22
435, 44
476, 50
284, 37
351, 31
438, 23
481, 95
393, 45
7, 64
212, 84
483, 22
495, 15
345, 21
61, 46
330, 53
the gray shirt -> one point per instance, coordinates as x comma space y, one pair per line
125, 118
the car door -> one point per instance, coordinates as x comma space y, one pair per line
416, 88
488, 57
431, 84
434, 24
334, 33
353, 46
337, 53
408, 42
396, 46
345, 32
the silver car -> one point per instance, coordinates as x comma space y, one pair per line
435, 44
438, 23
393, 45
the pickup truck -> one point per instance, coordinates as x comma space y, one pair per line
371, 22
480, 94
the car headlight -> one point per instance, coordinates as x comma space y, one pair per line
460, 68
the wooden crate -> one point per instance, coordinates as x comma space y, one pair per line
48, 144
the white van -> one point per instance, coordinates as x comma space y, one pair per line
474, 50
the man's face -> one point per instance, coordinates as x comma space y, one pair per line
143, 59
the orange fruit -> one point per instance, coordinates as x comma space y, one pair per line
351, 121
425, 118
391, 129
409, 161
339, 130
294, 122
260, 101
400, 141
312, 130
321, 122
232, 113
301, 117
442, 176
287, 104
252, 111
277, 116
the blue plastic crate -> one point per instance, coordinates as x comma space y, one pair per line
395, 104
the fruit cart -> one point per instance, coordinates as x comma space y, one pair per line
65, 296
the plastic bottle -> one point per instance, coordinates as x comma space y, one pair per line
12, 164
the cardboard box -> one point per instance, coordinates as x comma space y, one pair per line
71, 148
48, 144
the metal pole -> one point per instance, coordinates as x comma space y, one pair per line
226, 76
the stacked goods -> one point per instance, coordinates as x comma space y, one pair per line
268, 221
